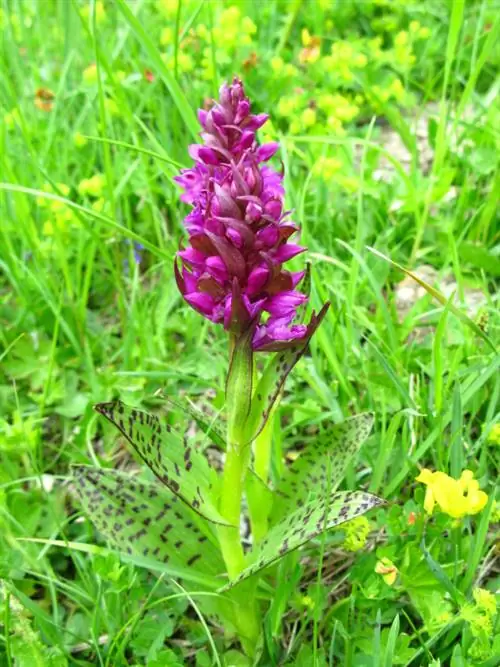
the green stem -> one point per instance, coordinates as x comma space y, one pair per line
232, 489
238, 400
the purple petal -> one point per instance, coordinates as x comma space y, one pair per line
192, 256
267, 237
266, 151
281, 305
256, 280
204, 303
286, 252
216, 268
208, 156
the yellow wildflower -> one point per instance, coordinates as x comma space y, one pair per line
277, 64
455, 497
111, 107
287, 105
308, 117
397, 90
90, 74
312, 48
79, 140
167, 36
388, 570
356, 533
167, 7
291, 71
360, 60
494, 436
100, 12
424, 33
248, 26
12, 118
401, 38
485, 600
327, 167
92, 186
62, 190
335, 125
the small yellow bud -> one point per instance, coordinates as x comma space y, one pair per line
308, 117
89, 74
79, 140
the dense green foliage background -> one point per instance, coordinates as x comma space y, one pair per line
388, 117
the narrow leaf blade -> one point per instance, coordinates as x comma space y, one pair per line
170, 457
310, 520
274, 376
146, 520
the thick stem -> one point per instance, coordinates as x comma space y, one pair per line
238, 399
232, 489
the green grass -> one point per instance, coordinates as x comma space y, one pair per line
81, 322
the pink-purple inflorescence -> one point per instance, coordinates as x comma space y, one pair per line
232, 271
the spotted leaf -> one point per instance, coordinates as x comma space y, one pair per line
207, 424
310, 520
147, 520
274, 376
170, 456
322, 465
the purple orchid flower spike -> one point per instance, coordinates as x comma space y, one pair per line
239, 233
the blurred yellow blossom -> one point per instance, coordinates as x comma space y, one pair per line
388, 570
455, 497
290, 70
356, 533
167, 7
414, 27
288, 105
93, 186
100, 12
327, 167
308, 117
312, 48
277, 64
401, 38
248, 26
485, 600
335, 125
62, 190
79, 140
89, 74
111, 106
424, 33
12, 118
397, 90
167, 36
120, 75
494, 436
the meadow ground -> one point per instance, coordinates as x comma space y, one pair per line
387, 113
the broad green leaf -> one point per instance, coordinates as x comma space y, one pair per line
207, 424
327, 456
274, 376
310, 520
145, 519
177, 464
